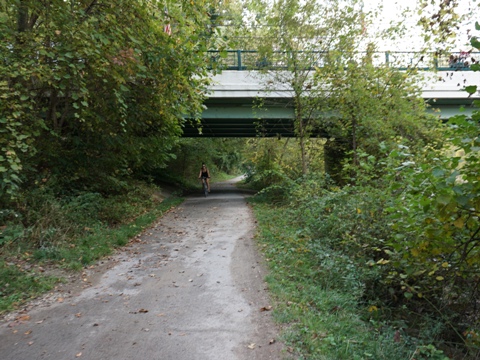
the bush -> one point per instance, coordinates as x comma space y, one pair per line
401, 244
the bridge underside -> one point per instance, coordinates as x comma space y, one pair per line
240, 128
241, 117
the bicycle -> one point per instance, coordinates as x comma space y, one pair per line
205, 186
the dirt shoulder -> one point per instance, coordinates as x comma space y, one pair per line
191, 287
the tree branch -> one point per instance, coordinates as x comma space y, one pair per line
90, 7
22, 16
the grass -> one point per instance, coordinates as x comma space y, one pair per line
70, 233
22, 276
102, 240
221, 176
323, 319
18, 285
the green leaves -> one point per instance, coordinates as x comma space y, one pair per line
105, 81
472, 89
474, 41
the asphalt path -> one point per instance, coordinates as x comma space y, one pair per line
191, 287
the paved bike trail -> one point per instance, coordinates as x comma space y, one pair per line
189, 288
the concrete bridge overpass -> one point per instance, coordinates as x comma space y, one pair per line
231, 110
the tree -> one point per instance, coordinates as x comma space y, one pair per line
220, 155
373, 105
440, 21
92, 91
299, 35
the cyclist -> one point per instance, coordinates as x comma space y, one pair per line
205, 173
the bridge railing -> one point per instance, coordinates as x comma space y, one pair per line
402, 60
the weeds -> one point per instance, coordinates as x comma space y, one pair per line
319, 294
18, 284
70, 233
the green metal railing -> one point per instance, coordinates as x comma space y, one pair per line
402, 60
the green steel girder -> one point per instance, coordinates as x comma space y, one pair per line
242, 118
236, 117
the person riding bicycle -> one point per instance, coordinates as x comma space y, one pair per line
205, 173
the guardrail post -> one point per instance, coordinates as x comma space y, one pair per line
239, 59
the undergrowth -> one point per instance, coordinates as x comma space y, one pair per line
317, 296
18, 284
399, 241
70, 233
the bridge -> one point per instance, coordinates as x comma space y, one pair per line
232, 111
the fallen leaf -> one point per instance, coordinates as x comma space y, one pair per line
251, 346
266, 308
28, 332
321, 335
272, 341
79, 354
397, 337
23, 318
143, 311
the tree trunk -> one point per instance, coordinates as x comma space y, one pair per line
354, 140
22, 21
333, 155
304, 155
302, 135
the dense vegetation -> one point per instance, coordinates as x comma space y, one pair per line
390, 240
396, 251
93, 101
372, 234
